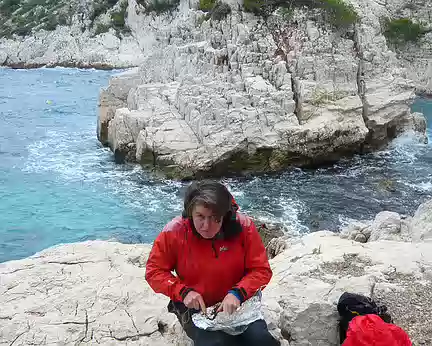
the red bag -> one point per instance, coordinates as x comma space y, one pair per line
371, 330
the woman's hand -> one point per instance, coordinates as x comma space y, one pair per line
194, 300
230, 304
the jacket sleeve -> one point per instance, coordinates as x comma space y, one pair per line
258, 271
160, 264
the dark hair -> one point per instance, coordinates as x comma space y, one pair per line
215, 196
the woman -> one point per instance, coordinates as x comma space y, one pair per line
218, 257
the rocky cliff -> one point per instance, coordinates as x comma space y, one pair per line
230, 88
248, 94
95, 292
98, 33
82, 33
416, 55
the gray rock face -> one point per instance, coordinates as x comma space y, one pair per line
112, 98
386, 226
76, 42
237, 96
385, 91
62, 48
71, 47
421, 224
3, 57
123, 132
416, 56
321, 321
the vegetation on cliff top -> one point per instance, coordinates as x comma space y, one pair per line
215, 9
403, 30
158, 6
20, 17
338, 13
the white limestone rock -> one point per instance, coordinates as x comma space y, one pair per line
251, 101
421, 223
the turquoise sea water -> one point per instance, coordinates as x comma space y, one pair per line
58, 185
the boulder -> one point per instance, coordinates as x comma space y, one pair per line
389, 225
386, 226
421, 223
357, 230
123, 131
114, 97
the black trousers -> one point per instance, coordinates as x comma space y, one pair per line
256, 334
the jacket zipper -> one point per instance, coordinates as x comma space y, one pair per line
214, 249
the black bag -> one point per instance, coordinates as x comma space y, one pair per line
351, 305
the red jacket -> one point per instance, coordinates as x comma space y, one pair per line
371, 330
209, 267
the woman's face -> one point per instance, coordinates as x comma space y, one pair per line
206, 223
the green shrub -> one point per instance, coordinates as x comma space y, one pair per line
22, 30
50, 24
220, 11
21, 16
339, 12
118, 18
162, 6
98, 9
402, 30
101, 28
63, 19
286, 13
7, 7
255, 6
206, 5
322, 96
101, 7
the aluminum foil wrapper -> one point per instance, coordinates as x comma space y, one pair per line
234, 324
